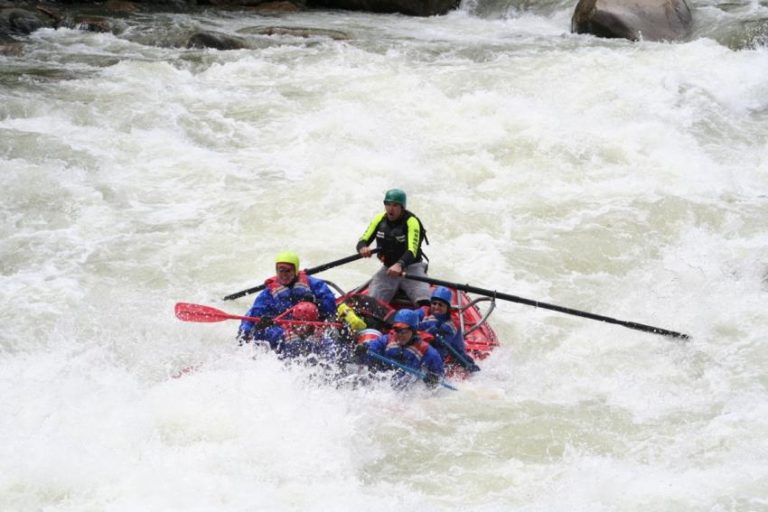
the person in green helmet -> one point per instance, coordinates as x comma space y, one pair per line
399, 234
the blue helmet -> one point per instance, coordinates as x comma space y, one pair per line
442, 293
406, 318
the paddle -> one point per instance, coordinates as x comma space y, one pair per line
512, 298
407, 369
308, 271
199, 313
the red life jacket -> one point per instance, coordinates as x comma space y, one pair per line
275, 288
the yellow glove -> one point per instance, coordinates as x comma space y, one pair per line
355, 323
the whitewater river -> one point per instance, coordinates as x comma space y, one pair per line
624, 179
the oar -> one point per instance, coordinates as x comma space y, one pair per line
199, 313
407, 369
308, 271
512, 298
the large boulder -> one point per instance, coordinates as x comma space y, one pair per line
649, 20
409, 7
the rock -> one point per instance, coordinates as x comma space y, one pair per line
649, 20
21, 22
216, 41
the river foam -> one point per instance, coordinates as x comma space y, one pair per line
624, 179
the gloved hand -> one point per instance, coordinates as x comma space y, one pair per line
361, 351
431, 379
303, 296
469, 364
264, 322
342, 310
347, 314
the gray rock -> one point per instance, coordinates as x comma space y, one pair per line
22, 22
215, 40
649, 20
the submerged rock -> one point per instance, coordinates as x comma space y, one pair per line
216, 40
649, 20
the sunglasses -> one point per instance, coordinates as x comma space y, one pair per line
390, 203
402, 329
284, 270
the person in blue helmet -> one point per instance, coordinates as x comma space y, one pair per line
399, 235
448, 339
404, 346
284, 290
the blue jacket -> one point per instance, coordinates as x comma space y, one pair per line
276, 298
417, 355
315, 347
445, 332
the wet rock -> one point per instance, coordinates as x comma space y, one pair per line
22, 22
215, 40
649, 20
15, 24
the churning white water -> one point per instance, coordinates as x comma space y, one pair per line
625, 179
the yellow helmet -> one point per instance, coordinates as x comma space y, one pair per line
288, 257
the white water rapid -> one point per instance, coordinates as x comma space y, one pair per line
624, 179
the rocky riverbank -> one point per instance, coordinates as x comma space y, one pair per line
632, 19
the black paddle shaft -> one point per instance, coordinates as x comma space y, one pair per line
512, 298
309, 271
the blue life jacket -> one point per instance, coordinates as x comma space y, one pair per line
277, 298
417, 354
444, 331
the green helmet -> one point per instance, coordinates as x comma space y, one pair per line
395, 195
288, 257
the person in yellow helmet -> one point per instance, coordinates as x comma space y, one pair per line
286, 288
399, 234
